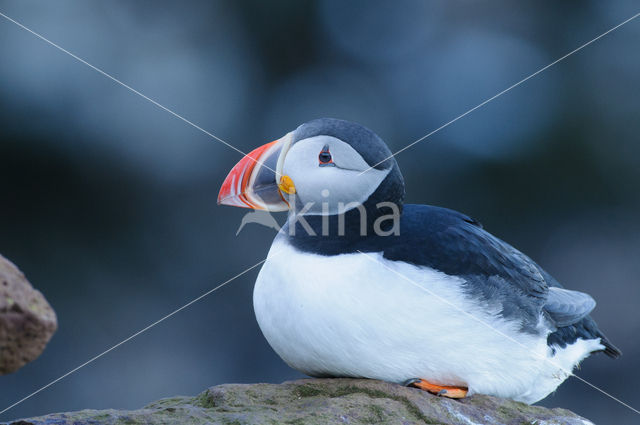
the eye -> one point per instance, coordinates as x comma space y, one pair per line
324, 159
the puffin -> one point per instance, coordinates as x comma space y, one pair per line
359, 284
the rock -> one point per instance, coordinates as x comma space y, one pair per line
320, 401
27, 321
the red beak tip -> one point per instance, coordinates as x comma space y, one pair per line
236, 190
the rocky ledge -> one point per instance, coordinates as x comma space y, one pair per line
320, 401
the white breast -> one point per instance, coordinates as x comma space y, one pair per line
350, 316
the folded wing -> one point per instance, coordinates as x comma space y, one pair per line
566, 307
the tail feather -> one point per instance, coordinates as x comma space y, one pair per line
609, 349
584, 329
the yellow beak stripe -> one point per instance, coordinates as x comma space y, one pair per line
286, 185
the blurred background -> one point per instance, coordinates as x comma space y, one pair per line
108, 203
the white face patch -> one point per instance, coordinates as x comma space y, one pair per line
328, 189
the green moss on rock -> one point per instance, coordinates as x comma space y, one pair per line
319, 401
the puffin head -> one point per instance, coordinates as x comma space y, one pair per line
324, 167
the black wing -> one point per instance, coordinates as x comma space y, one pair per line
494, 271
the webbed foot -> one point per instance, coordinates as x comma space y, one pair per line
439, 390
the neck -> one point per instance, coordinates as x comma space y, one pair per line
366, 228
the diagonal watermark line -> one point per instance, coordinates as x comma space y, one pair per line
131, 89
132, 336
444, 300
503, 91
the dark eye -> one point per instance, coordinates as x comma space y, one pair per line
324, 158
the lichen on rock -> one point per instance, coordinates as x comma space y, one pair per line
320, 401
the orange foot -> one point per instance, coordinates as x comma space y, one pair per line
441, 390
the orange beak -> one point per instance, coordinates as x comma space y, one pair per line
256, 182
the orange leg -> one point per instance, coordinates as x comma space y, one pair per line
441, 390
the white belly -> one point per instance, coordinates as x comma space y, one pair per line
350, 316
